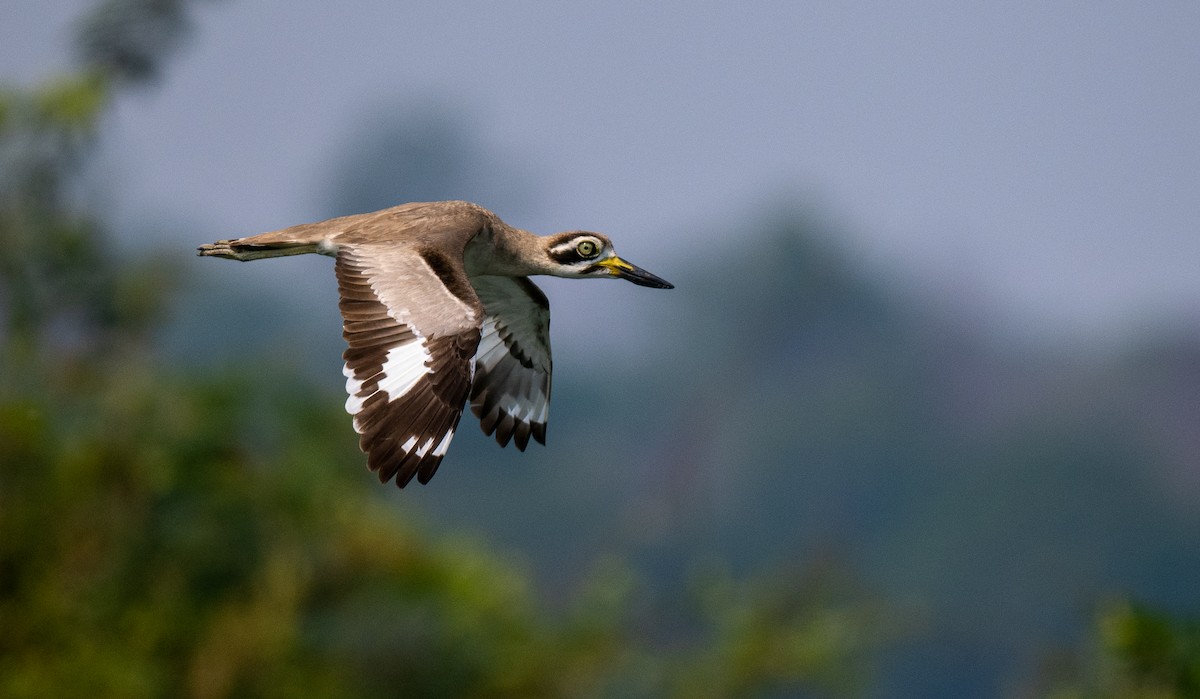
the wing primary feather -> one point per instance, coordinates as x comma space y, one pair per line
407, 387
512, 381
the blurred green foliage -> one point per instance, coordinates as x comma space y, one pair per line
1135, 653
211, 537
168, 533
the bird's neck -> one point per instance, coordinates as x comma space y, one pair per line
509, 253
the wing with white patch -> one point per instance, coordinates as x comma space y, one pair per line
412, 325
511, 392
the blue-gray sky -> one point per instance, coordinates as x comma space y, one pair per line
1039, 159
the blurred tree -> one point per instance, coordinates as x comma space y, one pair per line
1134, 653
126, 41
997, 490
169, 534
57, 283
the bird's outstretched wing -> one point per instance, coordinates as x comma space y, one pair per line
511, 392
411, 319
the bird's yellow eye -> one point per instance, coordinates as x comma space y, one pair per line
587, 248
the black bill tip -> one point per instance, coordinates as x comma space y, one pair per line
641, 277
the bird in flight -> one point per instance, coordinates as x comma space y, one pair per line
437, 308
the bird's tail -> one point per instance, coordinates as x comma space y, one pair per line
245, 249
294, 240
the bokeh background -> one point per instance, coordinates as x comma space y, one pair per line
921, 418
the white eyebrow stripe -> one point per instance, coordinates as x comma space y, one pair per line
569, 244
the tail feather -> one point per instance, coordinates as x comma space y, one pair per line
243, 249
294, 240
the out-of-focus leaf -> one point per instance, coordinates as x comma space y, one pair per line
1136, 653
73, 103
7, 99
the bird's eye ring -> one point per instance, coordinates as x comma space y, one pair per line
587, 248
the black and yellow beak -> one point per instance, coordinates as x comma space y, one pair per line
620, 268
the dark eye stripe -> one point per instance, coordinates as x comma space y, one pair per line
566, 256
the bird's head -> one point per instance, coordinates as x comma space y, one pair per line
584, 255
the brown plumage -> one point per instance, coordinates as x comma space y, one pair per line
437, 308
